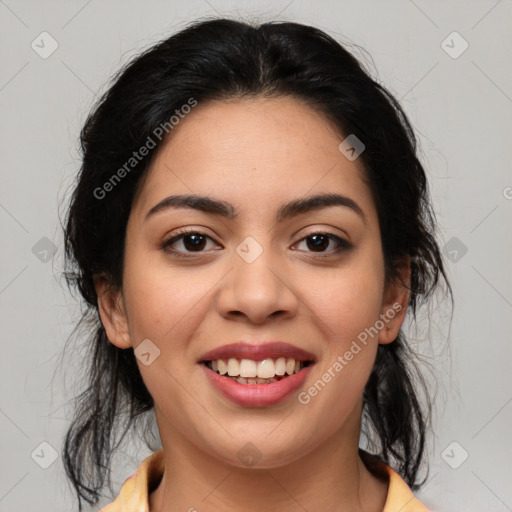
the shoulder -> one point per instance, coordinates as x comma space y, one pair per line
134, 493
400, 497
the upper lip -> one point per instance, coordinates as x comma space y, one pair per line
257, 352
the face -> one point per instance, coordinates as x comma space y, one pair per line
313, 279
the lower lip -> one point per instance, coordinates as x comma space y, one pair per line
257, 395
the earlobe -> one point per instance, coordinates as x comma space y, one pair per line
112, 312
395, 303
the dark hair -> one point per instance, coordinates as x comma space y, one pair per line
222, 59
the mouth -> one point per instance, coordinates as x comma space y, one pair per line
257, 382
250, 371
257, 375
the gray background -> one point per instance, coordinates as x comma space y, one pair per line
461, 110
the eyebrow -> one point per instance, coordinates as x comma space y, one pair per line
286, 211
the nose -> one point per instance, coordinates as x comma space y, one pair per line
257, 290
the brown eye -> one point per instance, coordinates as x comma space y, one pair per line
319, 242
191, 241
194, 242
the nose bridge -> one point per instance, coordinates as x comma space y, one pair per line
255, 286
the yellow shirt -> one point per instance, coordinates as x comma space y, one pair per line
134, 493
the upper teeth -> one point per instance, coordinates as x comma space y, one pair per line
265, 369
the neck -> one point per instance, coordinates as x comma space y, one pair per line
331, 477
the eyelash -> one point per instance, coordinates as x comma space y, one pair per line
342, 244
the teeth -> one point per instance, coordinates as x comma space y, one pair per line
280, 366
222, 366
290, 366
266, 369
233, 367
242, 380
249, 370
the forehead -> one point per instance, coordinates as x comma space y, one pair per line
268, 148
261, 129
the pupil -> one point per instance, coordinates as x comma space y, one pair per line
319, 244
197, 241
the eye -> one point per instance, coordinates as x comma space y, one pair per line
319, 242
191, 241
196, 241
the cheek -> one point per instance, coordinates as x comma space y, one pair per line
166, 305
162, 301
346, 311
348, 300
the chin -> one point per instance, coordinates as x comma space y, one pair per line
258, 452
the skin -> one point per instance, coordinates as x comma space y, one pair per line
255, 154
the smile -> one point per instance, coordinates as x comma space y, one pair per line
249, 371
256, 391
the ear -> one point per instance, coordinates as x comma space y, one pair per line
395, 302
112, 312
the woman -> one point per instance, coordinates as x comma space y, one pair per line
249, 230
